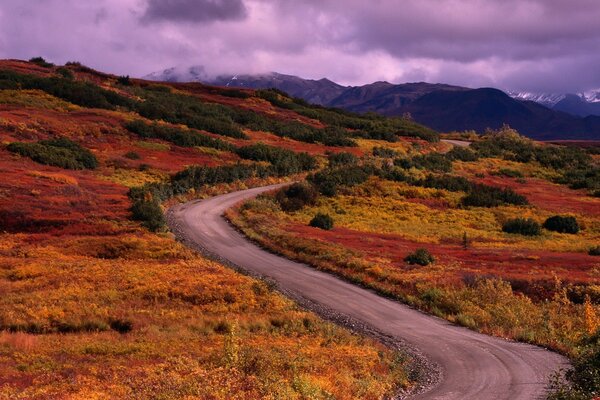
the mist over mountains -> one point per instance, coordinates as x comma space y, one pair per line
440, 106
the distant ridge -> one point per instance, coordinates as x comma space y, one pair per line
440, 106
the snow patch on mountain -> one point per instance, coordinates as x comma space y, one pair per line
546, 99
591, 96
195, 73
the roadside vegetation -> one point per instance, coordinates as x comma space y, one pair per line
499, 238
95, 305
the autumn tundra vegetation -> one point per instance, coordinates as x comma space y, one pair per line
100, 301
500, 237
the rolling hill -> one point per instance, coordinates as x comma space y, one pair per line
443, 107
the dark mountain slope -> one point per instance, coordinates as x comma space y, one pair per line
479, 109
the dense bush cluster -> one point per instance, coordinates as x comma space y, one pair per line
340, 159
384, 152
178, 136
322, 221
41, 62
478, 195
284, 162
576, 166
297, 196
582, 380
188, 110
433, 162
328, 181
81, 93
522, 226
562, 224
450, 183
491, 196
149, 212
60, 152
420, 257
462, 154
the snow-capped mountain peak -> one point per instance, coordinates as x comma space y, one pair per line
547, 99
591, 96
195, 73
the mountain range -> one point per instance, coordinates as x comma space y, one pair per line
440, 106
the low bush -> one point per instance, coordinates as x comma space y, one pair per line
420, 257
84, 94
562, 224
432, 162
490, 196
509, 173
384, 152
328, 181
446, 182
149, 213
60, 152
178, 136
124, 80
284, 161
522, 226
339, 159
582, 381
41, 62
297, 196
132, 155
121, 325
322, 221
462, 154
65, 73
594, 251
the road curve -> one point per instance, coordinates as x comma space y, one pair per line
473, 366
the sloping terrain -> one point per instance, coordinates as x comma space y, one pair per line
96, 305
442, 107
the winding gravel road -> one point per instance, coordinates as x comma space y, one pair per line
472, 365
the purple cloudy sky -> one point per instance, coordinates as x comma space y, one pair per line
538, 45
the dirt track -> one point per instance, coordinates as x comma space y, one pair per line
472, 365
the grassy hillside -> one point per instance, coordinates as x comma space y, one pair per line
99, 301
502, 237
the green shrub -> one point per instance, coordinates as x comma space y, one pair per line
178, 136
65, 73
583, 379
522, 226
84, 94
340, 159
384, 152
432, 162
322, 221
510, 173
297, 196
60, 152
446, 182
562, 224
149, 213
328, 181
132, 155
420, 257
124, 80
490, 196
41, 62
462, 154
284, 162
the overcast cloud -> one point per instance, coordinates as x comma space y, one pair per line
539, 45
